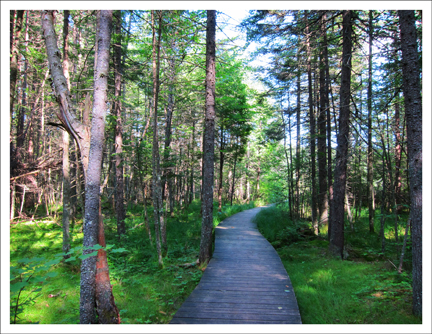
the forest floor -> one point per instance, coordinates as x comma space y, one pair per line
48, 291
363, 289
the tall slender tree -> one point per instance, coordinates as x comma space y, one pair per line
119, 184
337, 223
157, 191
413, 110
370, 157
323, 105
66, 140
208, 147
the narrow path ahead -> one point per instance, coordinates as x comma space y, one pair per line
245, 282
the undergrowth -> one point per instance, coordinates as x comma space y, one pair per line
364, 289
143, 292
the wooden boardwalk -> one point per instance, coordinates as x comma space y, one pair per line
245, 282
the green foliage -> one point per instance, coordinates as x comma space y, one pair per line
331, 291
144, 293
275, 225
26, 278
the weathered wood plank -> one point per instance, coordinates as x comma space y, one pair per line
245, 282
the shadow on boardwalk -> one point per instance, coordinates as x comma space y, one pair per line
245, 282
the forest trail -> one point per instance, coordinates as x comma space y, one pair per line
245, 282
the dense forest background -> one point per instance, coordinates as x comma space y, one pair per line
322, 126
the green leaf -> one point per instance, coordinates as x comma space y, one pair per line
119, 250
24, 260
72, 258
18, 286
52, 274
86, 256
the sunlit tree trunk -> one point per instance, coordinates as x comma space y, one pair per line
208, 147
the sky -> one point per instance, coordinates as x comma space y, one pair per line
236, 10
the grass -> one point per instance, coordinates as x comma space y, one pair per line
144, 293
365, 289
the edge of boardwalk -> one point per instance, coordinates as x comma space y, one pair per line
245, 281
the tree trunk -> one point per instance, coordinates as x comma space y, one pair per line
208, 149
20, 134
324, 104
119, 189
221, 163
233, 178
168, 165
297, 210
413, 110
14, 57
312, 132
92, 269
337, 229
157, 192
371, 197
66, 164
79, 131
398, 157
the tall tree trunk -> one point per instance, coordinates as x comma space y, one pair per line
119, 188
168, 164
398, 156
337, 229
191, 180
298, 143
233, 178
14, 57
221, 164
93, 225
79, 131
291, 194
371, 197
208, 148
66, 164
157, 191
312, 132
413, 110
324, 104
92, 291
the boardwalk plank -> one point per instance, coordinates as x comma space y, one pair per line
245, 282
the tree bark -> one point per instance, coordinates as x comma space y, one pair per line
312, 131
105, 305
157, 192
371, 197
208, 149
66, 164
221, 164
337, 229
119, 188
297, 164
168, 165
14, 58
324, 104
413, 110
79, 131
